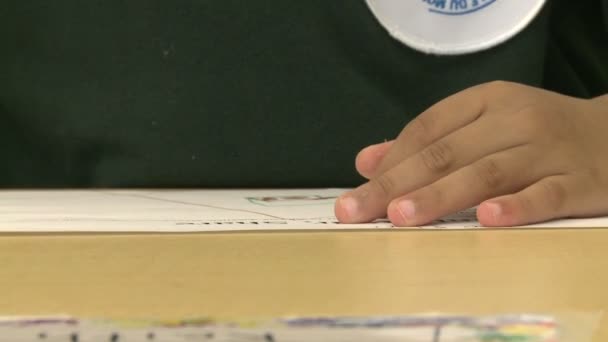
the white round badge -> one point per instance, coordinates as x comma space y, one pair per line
451, 27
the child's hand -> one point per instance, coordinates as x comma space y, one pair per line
527, 155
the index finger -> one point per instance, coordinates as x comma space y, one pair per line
441, 119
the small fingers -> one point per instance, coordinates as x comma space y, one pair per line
550, 198
486, 178
461, 148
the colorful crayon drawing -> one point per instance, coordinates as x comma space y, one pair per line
422, 328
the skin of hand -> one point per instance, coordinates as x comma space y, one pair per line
523, 154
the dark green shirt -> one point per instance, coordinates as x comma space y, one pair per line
241, 93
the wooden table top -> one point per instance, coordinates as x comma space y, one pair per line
254, 275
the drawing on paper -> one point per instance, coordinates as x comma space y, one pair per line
421, 328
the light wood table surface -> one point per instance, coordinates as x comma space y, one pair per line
273, 274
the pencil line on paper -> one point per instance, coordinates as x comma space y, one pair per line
153, 198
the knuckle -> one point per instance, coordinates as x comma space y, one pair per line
490, 174
532, 120
526, 204
421, 128
435, 192
537, 115
497, 86
555, 195
437, 158
551, 122
384, 184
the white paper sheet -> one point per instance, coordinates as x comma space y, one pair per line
197, 211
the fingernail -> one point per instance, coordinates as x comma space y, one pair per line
495, 210
407, 210
350, 206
